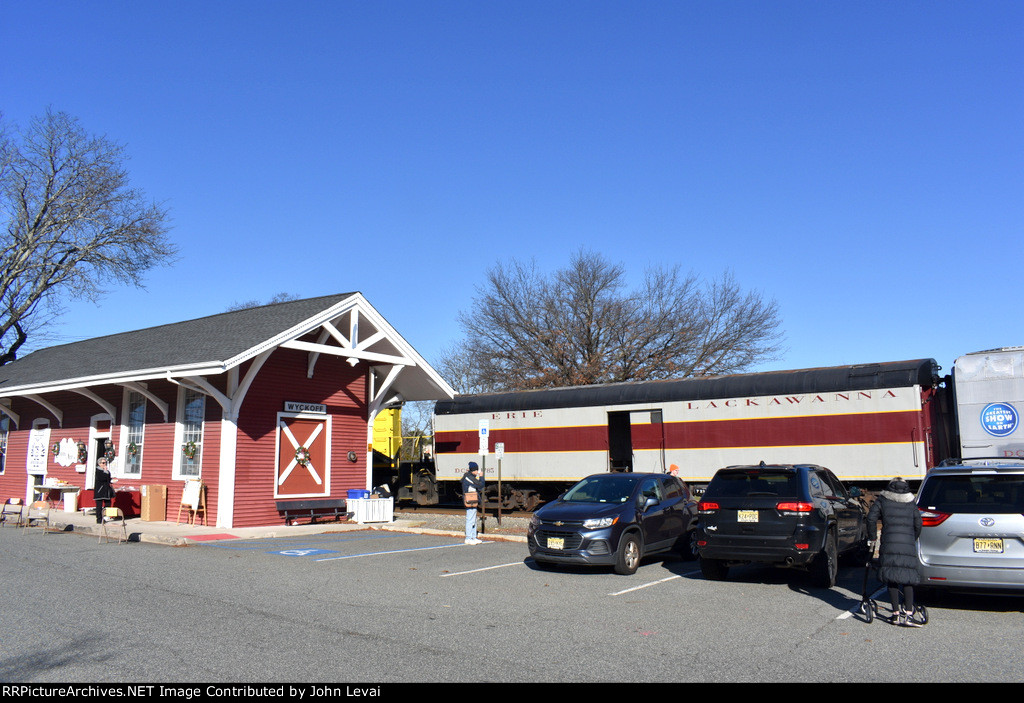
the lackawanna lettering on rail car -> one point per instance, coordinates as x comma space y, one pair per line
730, 403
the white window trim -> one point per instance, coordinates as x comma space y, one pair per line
39, 425
5, 431
122, 450
95, 435
179, 434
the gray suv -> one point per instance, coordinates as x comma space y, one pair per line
973, 516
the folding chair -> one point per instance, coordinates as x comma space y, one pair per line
113, 515
12, 511
39, 511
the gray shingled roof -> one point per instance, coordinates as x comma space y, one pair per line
207, 341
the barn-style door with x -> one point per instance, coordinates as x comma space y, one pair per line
303, 467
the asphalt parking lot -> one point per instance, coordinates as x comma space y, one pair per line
395, 607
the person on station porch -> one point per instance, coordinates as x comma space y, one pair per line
102, 492
472, 494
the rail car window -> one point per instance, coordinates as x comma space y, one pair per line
602, 489
739, 484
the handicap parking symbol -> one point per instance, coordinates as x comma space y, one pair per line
302, 552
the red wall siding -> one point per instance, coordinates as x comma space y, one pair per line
13, 481
336, 384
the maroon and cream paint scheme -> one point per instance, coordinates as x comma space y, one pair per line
862, 435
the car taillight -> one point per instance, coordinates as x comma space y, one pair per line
707, 506
795, 507
931, 518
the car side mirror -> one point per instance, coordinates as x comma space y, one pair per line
650, 502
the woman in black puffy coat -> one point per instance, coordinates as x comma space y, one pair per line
899, 567
102, 492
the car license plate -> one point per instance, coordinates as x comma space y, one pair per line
746, 516
556, 543
988, 545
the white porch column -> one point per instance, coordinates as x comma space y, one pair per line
226, 477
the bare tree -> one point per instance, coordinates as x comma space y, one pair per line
279, 298
582, 326
73, 224
417, 429
456, 365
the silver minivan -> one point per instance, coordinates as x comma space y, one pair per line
973, 525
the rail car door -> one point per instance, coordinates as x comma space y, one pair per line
620, 442
636, 440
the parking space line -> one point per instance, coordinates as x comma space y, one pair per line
393, 551
486, 568
856, 609
645, 585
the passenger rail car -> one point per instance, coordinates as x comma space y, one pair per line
867, 423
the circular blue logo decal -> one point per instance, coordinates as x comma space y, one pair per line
999, 419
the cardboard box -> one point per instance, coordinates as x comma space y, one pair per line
154, 503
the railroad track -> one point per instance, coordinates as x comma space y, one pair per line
491, 509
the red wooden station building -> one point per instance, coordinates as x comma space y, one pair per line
261, 405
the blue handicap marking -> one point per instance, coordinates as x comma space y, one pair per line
302, 552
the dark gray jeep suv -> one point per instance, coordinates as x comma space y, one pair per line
791, 515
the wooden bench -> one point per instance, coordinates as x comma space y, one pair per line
311, 508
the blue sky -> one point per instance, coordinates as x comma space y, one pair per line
862, 163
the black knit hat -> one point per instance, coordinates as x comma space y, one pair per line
898, 485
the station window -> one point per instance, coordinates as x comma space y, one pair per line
191, 412
5, 423
135, 429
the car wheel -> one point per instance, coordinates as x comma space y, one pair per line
714, 569
825, 568
628, 557
692, 550
686, 546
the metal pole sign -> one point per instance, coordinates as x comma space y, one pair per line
484, 434
499, 450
